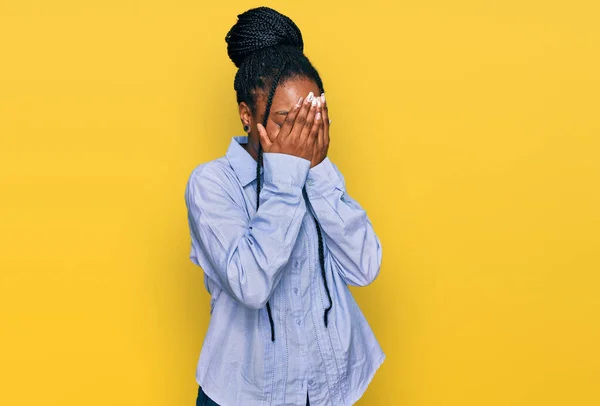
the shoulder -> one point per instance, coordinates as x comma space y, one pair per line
218, 171
213, 180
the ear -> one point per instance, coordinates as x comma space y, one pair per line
245, 114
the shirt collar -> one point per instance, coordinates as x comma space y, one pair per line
241, 161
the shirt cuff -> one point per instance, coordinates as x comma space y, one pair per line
322, 178
285, 168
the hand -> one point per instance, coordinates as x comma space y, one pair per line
322, 143
299, 132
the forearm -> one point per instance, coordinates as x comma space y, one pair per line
348, 232
245, 256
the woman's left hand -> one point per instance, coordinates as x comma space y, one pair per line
322, 142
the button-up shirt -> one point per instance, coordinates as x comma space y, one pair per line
251, 257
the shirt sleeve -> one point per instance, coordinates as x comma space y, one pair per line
246, 256
354, 247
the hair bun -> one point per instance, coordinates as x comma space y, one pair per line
260, 28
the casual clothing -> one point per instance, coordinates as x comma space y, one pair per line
252, 257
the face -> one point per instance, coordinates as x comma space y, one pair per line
286, 95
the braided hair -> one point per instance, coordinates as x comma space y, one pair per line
267, 48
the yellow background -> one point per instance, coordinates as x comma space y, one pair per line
468, 130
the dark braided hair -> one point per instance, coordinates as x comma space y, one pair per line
267, 49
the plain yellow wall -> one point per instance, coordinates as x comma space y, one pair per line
468, 130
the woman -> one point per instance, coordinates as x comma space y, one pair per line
279, 239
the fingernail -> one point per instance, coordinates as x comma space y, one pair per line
310, 96
318, 115
323, 97
319, 102
299, 102
314, 102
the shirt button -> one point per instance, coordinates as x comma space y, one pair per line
298, 321
295, 291
296, 264
303, 353
309, 182
310, 382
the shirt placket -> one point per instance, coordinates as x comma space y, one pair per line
299, 303
324, 381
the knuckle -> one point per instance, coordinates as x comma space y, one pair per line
301, 120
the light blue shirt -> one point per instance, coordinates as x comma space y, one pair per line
252, 257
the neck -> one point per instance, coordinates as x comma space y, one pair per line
251, 149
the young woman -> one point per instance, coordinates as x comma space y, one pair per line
279, 239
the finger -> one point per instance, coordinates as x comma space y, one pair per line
315, 134
290, 118
300, 120
326, 120
321, 135
264, 138
309, 127
318, 125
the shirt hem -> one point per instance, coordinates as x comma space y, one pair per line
363, 388
208, 393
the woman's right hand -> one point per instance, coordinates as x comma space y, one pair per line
298, 134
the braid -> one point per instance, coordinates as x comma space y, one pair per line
322, 263
260, 28
259, 164
264, 123
267, 48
